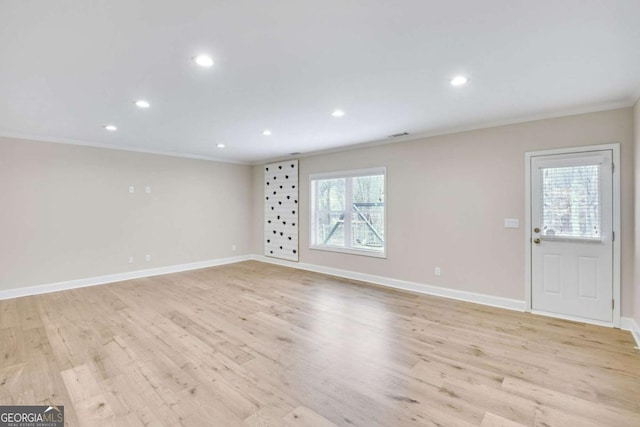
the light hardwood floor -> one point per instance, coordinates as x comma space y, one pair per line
252, 344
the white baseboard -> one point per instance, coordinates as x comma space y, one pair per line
118, 277
630, 324
510, 304
627, 323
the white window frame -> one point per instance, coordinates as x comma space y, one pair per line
348, 212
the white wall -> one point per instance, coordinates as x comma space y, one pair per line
636, 121
66, 213
447, 197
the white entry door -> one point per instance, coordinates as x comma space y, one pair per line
572, 235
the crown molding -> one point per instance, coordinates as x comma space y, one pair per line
40, 138
460, 129
373, 143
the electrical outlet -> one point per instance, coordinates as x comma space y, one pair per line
132, 189
147, 190
233, 247
437, 271
147, 258
130, 260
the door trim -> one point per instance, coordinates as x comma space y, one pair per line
615, 148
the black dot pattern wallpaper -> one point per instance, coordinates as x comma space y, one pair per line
281, 210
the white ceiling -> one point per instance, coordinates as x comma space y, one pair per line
68, 67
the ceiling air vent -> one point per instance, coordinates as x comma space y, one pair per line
398, 135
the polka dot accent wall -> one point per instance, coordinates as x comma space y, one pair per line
281, 210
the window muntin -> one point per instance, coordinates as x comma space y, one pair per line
348, 212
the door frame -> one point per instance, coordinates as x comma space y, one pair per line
615, 148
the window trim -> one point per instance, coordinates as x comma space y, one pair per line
354, 173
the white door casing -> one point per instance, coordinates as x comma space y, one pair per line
572, 214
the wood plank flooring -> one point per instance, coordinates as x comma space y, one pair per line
253, 344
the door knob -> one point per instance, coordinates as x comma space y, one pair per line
536, 241
536, 230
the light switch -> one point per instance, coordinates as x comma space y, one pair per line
511, 223
132, 189
147, 190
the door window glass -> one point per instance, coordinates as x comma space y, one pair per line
571, 202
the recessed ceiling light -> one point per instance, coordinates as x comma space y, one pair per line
203, 60
459, 81
220, 145
142, 103
338, 113
111, 128
266, 132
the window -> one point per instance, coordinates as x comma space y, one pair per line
571, 202
348, 212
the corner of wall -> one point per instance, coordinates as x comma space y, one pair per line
257, 206
636, 216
